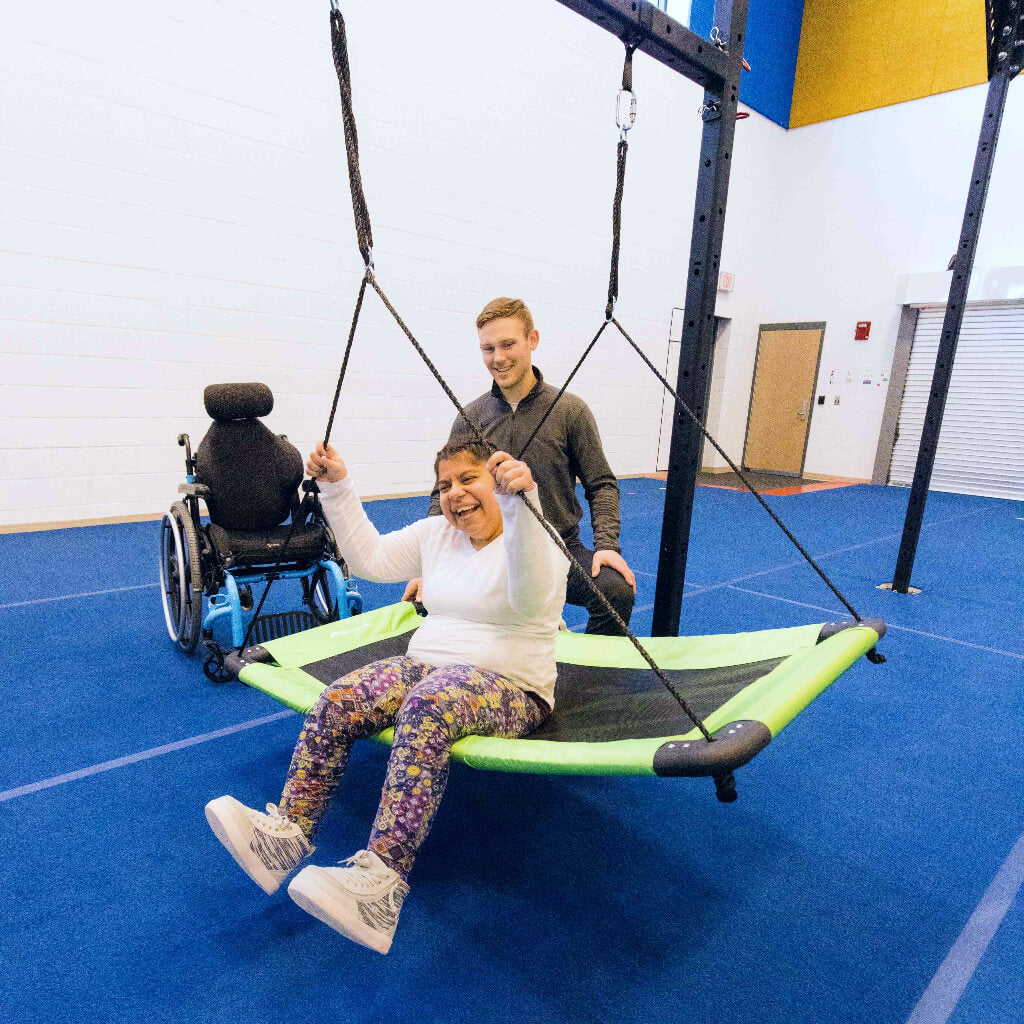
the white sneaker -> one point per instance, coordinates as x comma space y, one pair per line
362, 901
267, 847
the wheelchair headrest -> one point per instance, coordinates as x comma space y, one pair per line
253, 474
226, 402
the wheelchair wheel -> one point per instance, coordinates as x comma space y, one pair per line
181, 586
319, 598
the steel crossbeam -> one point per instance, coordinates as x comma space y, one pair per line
659, 36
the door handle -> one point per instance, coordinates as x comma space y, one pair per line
802, 414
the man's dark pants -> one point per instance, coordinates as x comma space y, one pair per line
609, 582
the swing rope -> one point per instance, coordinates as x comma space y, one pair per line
364, 240
341, 63
624, 124
624, 121
367, 276
732, 465
360, 211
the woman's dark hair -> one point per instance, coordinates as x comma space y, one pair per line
479, 451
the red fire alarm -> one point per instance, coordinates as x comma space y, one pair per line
862, 331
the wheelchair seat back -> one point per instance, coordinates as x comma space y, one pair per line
252, 473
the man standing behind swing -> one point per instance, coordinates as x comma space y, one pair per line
567, 447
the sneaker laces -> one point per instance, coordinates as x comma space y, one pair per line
279, 822
368, 862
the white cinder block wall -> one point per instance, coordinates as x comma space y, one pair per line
174, 212
828, 224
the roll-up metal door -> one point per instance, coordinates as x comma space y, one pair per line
981, 446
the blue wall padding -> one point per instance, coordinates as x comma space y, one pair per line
772, 44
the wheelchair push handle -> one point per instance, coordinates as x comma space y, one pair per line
184, 442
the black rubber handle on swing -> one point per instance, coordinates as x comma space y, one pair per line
735, 744
832, 628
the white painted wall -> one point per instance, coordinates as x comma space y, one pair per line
174, 212
847, 220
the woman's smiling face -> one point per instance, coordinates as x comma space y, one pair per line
466, 491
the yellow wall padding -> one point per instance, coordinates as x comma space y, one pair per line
861, 54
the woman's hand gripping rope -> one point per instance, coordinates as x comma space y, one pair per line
510, 475
326, 465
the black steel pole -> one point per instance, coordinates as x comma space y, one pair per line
698, 336
963, 264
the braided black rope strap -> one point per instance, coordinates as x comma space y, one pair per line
621, 152
339, 45
548, 528
360, 212
739, 472
613, 292
327, 436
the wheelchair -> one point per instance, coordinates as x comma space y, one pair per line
248, 478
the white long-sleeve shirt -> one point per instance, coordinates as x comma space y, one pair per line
497, 608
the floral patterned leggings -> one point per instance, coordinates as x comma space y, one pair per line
430, 709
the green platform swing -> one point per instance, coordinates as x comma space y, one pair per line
612, 714
667, 706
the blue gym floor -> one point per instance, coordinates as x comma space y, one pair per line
869, 872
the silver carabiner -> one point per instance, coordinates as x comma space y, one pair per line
624, 120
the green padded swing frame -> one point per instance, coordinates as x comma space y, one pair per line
742, 726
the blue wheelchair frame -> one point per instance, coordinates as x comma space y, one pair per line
228, 602
190, 569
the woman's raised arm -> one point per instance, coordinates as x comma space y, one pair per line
536, 568
392, 558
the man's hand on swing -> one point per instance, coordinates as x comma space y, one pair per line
326, 465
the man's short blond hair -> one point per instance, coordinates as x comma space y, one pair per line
502, 307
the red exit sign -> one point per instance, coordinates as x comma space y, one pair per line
863, 330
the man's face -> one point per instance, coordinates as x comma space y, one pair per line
507, 350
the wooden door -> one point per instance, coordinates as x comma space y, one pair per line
783, 397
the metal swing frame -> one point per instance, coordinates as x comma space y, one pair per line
716, 65
719, 116
1004, 24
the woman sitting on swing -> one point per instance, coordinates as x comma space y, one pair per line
482, 663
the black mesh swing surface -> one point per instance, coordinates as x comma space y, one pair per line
612, 715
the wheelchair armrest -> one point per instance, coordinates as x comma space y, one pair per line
198, 490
